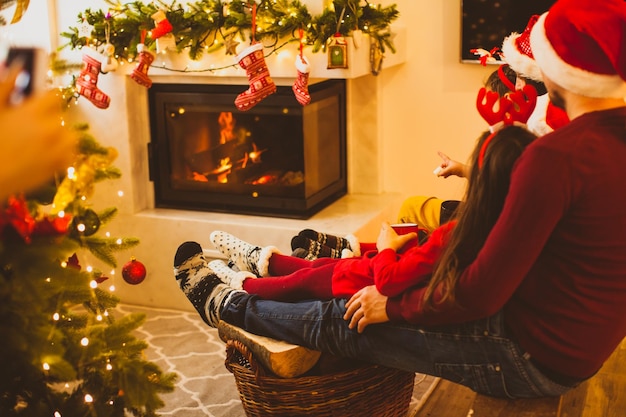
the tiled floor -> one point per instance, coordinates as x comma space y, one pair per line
181, 342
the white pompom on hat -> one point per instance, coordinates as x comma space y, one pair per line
581, 46
516, 52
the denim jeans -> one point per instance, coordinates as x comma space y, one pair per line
476, 354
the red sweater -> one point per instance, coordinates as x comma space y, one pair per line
555, 261
391, 272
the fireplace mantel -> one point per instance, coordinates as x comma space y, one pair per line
169, 66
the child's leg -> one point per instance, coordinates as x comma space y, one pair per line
303, 284
280, 265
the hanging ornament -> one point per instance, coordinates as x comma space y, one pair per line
133, 272
376, 56
231, 44
85, 29
338, 47
357, 38
86, 223
337, 52
109, 63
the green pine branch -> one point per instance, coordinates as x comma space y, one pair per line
200, 26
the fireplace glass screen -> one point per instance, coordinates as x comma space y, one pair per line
277, 159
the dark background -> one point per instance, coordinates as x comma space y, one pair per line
485, 23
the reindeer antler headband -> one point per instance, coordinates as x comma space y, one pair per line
514, 108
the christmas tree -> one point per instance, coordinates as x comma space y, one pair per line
64, 352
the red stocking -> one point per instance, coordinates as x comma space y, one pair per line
300, 86
140, 73
162, 25
87, 80
261, 84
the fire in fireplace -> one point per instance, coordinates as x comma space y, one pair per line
277, 159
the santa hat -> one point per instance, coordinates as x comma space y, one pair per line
581, 46
517, 53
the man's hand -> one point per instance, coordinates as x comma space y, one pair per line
366, 307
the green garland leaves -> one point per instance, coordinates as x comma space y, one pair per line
202, 26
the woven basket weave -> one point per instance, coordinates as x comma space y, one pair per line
369, 390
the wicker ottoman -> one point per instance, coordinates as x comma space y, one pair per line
362, 390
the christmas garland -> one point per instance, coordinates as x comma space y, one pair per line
207, 26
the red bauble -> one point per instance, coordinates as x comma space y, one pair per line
134, 272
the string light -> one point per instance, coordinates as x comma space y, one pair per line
84, 341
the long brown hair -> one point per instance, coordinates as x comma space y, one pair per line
484, 198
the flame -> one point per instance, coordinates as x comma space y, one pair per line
227, 125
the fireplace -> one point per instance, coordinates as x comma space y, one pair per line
278, 159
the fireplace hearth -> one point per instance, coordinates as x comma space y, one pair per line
278, 159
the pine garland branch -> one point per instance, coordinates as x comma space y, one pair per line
201, 26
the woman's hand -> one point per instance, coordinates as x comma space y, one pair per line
366, 307
389, 239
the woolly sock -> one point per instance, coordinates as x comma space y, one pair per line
206, 292
334, 242
228, 276
245, 256
303, 254
314, 248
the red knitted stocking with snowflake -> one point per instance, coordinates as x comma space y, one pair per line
253, 61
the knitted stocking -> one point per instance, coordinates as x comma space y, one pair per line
300, 86
261, 84
163, 26
87, 80
162, 32
140, 73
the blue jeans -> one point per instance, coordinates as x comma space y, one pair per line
476, 354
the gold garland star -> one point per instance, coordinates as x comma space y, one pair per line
231, 45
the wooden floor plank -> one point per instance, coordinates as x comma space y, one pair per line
447, 399
495, 407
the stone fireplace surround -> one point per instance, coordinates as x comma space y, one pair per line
160, 231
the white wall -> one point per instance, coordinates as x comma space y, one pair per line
428, 103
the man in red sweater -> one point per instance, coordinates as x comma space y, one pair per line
544, 303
